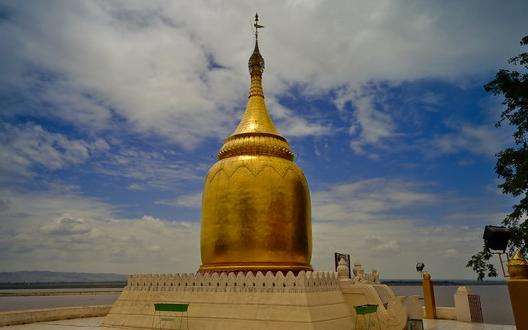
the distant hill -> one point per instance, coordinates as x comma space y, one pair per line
100, 278
53, 277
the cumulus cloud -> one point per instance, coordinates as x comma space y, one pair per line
69, 232
178, 70
381, 246
67, 226
291, 125
476, 139
394, 247
378, 221
25, 147
372, 124
368, 199
28, 148
192, 201
73, 233
159, 168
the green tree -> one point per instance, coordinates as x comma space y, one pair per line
512, 162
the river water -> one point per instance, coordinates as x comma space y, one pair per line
496, 307
12, 303
495, 299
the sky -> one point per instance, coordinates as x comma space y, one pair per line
112, 112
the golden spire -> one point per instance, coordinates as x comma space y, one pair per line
256, 118
256, 133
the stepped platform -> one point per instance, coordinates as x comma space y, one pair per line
308, 300
94, 323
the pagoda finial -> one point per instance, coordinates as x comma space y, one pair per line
257, 26
256, 62
256, 119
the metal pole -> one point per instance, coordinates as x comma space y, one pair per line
429, 298
502, 265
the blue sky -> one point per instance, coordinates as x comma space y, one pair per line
112, 113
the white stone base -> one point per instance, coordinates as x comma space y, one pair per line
311, 300
391, 314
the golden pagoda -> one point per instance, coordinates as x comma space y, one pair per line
256, 204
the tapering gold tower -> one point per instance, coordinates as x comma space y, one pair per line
256, 203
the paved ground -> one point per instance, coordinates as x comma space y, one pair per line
93, 324
445, 324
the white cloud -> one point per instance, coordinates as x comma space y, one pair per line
394, 246
67, 226
178, 69
72, 104
378, 245
370, 219
291, 125
135, 187
28, 146
368, 199
161, 168
372, 125
192, 201
484, 140
461, 217
55, 231
67, 232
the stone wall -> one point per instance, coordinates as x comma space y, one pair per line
308, 300
239, 282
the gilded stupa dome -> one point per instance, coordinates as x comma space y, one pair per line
256, 202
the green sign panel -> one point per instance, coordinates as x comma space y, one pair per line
366, 309
171, 307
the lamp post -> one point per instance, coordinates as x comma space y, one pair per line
428, 292
420, 267
496, 239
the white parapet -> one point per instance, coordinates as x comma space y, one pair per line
234, 282
390, 314
463, 312
308, 300
467, 305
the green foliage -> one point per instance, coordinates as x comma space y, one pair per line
512, 163
479, 263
